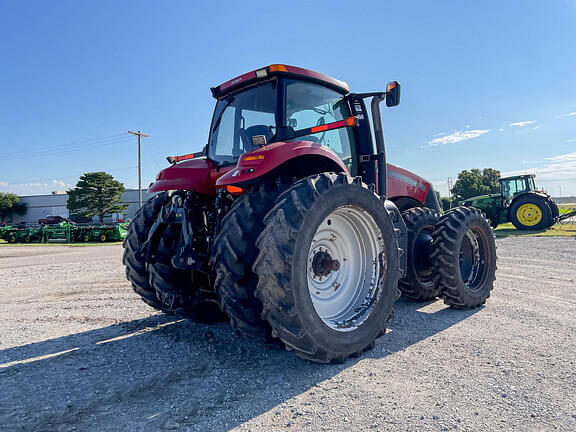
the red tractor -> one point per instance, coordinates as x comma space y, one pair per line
293, 224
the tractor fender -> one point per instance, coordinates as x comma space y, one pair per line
194, 175
405, 184
294, 158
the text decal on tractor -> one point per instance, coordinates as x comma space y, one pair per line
291, 224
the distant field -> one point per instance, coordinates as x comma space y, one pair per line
558, 230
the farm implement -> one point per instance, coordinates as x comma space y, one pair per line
65, 232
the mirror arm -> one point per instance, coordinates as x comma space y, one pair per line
380, 148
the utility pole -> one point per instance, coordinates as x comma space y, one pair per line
450, 191
139, 135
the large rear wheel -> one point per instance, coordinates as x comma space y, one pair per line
464, 257
328, 267
531, 212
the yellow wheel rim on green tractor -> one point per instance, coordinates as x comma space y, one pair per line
529, 214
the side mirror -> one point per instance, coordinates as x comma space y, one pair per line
392, 93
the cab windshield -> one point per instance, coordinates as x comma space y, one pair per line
242, 122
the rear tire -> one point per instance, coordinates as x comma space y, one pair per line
177, 289
530, 212
234, 254
136, 271
464, 257
420, 282
172, 285
328, 268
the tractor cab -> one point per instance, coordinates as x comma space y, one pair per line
279, 103
511, 187
309, 114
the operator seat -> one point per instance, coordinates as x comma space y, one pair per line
252, 131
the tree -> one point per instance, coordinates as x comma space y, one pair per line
10, 205
475, 182
445, 203
96, 194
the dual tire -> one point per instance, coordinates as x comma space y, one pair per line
314, 264
234, 253
136, 269
452, 256
464, 257
158, 283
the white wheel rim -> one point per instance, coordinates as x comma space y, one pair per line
345, 266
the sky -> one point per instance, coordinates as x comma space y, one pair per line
484, 84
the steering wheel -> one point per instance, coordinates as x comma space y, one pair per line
321, 122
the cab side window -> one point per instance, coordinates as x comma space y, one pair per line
309, 105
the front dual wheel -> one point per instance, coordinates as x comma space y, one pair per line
327, 268
452, 256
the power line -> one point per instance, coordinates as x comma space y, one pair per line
44, 153
68, 176
63, 149
59, 146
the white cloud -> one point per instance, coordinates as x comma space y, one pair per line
522, 123
500, 130
457, 136
60, 183
556, 168
35, 188
563, 158
572, 114
571, 140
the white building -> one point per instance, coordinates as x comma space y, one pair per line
40, 206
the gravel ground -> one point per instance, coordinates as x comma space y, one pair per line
80, 351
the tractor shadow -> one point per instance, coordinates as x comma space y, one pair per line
166, 373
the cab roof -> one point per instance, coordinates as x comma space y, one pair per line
518, 176
278, 69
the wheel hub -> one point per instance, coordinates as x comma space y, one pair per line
529, 214
323, 264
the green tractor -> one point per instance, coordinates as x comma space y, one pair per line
518, 202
